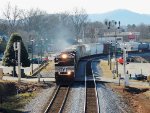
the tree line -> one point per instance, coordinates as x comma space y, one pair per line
54, 28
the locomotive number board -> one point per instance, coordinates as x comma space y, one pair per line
64, 69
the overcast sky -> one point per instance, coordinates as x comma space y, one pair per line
91, 6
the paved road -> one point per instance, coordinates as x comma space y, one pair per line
27, 70
28, 79
136, 68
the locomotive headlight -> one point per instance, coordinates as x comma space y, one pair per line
69, 72
64, 56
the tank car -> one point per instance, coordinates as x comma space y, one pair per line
143, 47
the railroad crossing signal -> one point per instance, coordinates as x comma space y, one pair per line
121, 61
112, 49
119, 51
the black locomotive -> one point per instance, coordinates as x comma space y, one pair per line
65, 64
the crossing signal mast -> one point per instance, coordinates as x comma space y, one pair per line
17, 47
126, 82
116, 26
122, 61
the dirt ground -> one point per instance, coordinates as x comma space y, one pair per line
136, 96
24, 87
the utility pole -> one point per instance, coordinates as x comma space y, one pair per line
116, 46
38, 53
109, 54
126, 82
110, 24
116, 58
19, 66
32, 58
41, 48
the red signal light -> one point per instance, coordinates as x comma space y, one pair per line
120, 60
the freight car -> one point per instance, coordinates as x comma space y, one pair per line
136, 46
143, 47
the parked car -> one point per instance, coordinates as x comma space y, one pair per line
130, 59
36, 61
143, 46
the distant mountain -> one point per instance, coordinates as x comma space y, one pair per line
124, 16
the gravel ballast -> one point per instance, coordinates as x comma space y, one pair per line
76, 101
110, 102
37, 104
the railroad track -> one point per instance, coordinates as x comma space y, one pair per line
57, 102
92, 103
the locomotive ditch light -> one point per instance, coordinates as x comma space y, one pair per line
64, 56
69, 72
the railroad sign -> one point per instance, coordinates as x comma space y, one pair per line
131, 36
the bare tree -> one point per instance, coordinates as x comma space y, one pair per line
144, 31
64, 18
31, 19
32, 24
79, 18
12, 14
93, 31
131, 28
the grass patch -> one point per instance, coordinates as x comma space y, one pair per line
106, 69
2, 110
14, 103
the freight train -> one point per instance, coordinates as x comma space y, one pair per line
66, 61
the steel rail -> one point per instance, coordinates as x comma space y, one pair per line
95, 91
98, 103
85, 91
52, 102
46, 110
64, 101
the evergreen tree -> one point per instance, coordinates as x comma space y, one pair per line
10, 56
